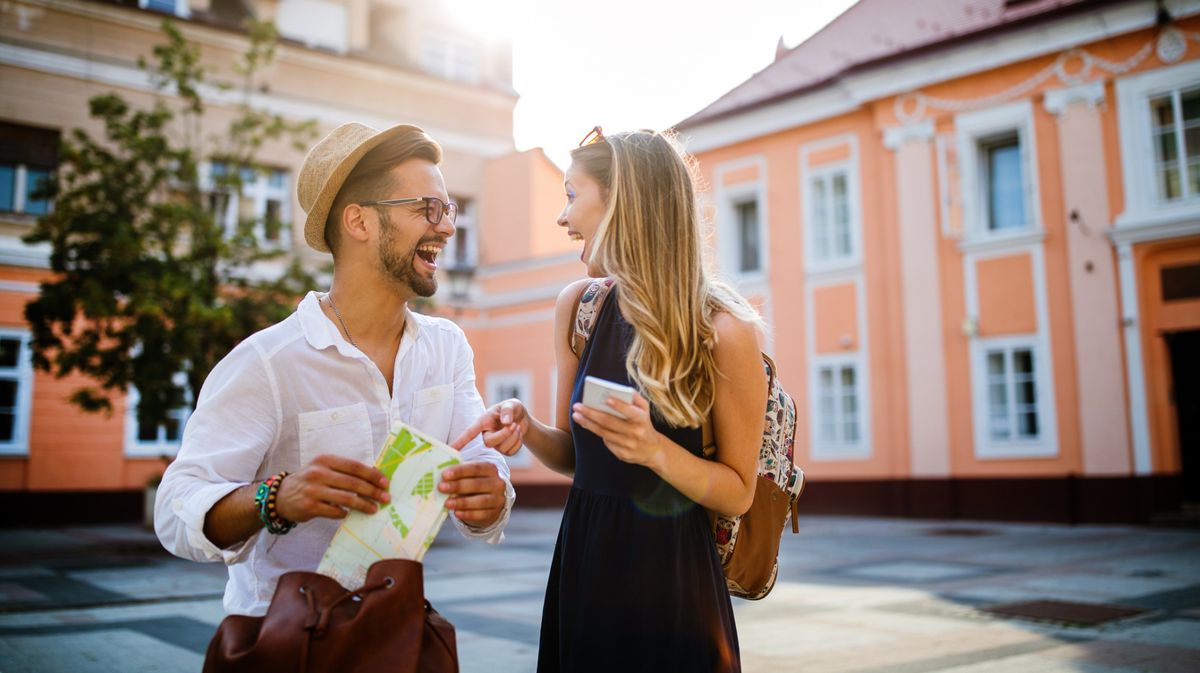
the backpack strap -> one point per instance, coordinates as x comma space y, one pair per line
587, 311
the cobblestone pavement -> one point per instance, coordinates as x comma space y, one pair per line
888, 596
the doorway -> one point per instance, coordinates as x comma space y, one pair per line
1184, 351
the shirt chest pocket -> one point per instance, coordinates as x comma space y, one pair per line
344, 431
432, 410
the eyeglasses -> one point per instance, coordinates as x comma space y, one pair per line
596, 135
435, 208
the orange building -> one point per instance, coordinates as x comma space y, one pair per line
374, 61
975, 230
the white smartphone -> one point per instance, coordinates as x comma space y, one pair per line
596, 392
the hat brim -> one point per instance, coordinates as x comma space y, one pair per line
318, 215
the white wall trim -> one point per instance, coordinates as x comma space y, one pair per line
1142, 206
1131, 323
971, 128
129, 77
850, 92
851, 166
726, 218
895, 136
19, 287
1056, 101
19, 446
860, 358
1047, 444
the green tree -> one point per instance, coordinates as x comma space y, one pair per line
147, 281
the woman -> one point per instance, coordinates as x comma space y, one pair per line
636, 584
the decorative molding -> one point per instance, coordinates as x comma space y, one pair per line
1134, 372
997, 244
852, 91
113, 73
1056, 101
1175, 225
895, 136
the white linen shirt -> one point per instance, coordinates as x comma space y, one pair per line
289, 393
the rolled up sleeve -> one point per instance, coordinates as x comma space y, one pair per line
235, 424
468, 407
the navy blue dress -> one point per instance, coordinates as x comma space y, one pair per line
636, 584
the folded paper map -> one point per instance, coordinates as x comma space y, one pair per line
405, 527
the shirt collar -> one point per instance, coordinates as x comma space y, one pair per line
322, 333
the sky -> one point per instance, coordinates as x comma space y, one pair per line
628, 64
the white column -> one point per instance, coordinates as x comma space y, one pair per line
925, 353
1104, 429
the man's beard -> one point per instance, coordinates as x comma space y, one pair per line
399, 266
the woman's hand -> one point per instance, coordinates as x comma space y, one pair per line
632, 439
504, 426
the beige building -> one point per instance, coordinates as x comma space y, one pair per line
375, 61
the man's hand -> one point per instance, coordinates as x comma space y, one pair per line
328, 487
504, 426
476, 493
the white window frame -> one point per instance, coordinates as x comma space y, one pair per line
1143, 208
460, 59
322, 24
23, 375
261, 191
1045, 445
823, 449
827, 172
182, 9
728, 240
523, 382
467, 221
161, 446
20, 187
973, 130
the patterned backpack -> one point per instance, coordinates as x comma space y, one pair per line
748, 545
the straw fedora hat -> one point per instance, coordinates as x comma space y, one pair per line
327, 166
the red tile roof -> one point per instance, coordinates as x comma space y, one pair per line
875, 31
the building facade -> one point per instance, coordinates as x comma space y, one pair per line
380, 62
975, 229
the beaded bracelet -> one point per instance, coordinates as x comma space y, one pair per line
264, 499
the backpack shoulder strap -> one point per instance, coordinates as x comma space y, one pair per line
587, 311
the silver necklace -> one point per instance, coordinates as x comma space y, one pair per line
329, 298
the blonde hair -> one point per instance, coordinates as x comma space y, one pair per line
650, 241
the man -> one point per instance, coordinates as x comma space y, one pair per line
315, 395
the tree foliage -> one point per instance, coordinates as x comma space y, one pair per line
147, 282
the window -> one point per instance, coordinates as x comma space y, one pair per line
742, 237
1013, 407
28, 157
749, 250
450, 58
142, 439
1175, 128
838, 411
16, 382
461, 248
829, 217
262, 203
314, 23
1012, 394
998, 175
503, 386
176, 7
1004, 183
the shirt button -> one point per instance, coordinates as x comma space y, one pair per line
334, 416
177, 505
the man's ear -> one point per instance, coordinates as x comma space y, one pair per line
354, 222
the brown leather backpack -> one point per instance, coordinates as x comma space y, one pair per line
315, 625
748, 545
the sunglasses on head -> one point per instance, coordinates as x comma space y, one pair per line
596, 135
